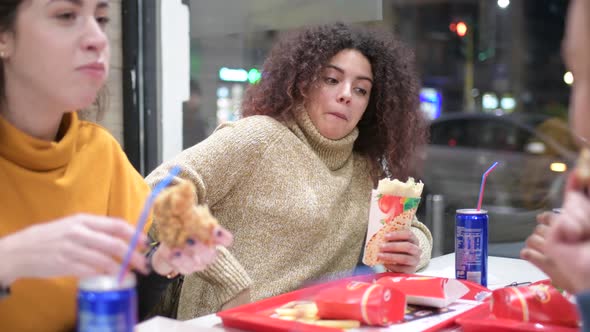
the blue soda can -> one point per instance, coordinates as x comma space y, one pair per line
471, 245
104, 305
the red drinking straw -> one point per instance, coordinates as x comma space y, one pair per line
483, 184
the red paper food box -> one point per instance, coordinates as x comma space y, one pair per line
369, 303
536, 303
427, 291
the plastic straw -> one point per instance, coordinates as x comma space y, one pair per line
483, 184
143, 217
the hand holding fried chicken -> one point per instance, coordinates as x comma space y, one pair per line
188, 233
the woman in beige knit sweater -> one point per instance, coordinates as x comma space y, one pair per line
335, 110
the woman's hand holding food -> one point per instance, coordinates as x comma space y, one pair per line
537, 247
568, 242
80, 245
574, 223
194, 256
188, 232
401, 253
568, 239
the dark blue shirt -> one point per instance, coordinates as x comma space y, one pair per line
584, 309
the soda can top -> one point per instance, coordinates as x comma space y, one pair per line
106, 283
471, 211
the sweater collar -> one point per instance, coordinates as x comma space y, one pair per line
36, 154
334, 153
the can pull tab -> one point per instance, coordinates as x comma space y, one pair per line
517, 284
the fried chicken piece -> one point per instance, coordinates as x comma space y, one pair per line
177, 218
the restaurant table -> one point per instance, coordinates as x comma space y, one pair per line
501, 272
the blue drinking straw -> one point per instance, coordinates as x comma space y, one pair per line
143, 217
483, 184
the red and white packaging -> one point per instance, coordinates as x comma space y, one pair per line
393, 207
369, 303
535, 303
427, 291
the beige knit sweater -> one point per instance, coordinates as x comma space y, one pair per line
296, 202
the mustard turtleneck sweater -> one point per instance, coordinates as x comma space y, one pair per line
84, 172
296, 202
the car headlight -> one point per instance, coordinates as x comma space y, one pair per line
558, 167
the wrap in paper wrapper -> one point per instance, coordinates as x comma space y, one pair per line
535, 303
370, 303
393, 207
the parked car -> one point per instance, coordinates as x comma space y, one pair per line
534, 152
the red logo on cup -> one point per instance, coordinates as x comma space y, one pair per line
387, 295
541, 293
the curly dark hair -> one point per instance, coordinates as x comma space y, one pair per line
391, 129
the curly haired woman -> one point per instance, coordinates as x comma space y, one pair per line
335, 110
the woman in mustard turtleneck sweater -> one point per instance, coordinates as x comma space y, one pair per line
68, 191
336, 110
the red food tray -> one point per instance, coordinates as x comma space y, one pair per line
257, 316
482, 320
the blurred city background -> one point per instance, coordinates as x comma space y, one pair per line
494, 87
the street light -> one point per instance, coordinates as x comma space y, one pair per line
460, 28
503, 3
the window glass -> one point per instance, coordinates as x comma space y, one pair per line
492, 87
451, 133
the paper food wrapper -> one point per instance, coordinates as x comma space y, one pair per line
536, 303
427, 291
370, 303
393, 207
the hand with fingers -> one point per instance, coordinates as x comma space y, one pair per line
574, 225
188, 233
401, 253
568, 241
535, 251
194, 256
80, 245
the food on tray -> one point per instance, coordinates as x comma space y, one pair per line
306, 312
393, 207
298, 309
347, 306
369, 303
339, 324
427, 291
535, 303
177, 218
